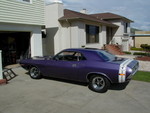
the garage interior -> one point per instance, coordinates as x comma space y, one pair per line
14, 46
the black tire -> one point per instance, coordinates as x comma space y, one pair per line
99, 83
34, 73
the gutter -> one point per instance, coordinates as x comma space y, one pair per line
140, 35
98, 22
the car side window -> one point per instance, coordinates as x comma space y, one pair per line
70, 56
79, 57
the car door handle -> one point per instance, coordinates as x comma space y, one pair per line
74, 65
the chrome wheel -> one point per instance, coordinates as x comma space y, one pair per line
98, 83
35, 73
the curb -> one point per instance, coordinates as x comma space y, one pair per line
3, 81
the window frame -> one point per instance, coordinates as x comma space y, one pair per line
62, 57
24, 1
89, 35
126, 25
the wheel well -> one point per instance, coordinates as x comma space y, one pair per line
28, 67
99, 74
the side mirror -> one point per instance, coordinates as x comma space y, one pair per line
55, 58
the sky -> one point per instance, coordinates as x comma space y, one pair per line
136, 10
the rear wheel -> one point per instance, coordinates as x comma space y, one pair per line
35, 73
99, 83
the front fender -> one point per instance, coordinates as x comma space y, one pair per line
97, 73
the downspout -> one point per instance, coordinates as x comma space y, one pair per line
70, 33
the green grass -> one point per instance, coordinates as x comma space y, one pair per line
142, 76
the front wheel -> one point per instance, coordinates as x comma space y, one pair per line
35, 73
99, 83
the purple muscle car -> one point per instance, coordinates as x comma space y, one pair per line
96, 67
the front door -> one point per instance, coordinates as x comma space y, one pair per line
61, 69
64, 65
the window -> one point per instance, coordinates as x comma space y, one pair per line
92, 34
69, 56
106, 56
25, 1
126, 27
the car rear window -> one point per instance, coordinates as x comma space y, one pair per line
106, 56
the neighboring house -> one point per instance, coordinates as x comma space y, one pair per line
121, 36
70, 29
21, 22
141, 37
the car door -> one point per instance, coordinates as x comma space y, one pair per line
63, 69
64, 65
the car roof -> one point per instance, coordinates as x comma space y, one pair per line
89, 53
82, 49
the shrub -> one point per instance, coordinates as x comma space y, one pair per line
145, 47
126, 52
139, 53
136, 49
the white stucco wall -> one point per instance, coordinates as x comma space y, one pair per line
103, 36
65, 35
53, 12
119, 37
119, 23
54, 30
74, 35
36, 37
77, 34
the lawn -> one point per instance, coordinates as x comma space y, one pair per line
142, 76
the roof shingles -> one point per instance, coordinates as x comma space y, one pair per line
70, 15
109, 16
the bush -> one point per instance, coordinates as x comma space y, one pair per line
145, 47
139, 53
126, 52
136, 49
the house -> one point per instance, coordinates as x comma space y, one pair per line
141, 37
21, 22
70, 29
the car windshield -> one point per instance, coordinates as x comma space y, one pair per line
106, 56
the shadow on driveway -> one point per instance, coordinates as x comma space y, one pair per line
116, 86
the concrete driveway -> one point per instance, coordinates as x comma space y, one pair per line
25, 95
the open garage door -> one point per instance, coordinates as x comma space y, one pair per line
14, 46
